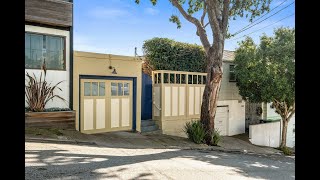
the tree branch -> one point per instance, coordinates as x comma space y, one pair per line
225, 16
204, 13
291, 114
278, 107
292, 111
213, 18
200, 30
206, 25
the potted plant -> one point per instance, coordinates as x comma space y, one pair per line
38, 93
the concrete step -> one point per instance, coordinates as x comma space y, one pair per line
149, 128
152, 132
148, 122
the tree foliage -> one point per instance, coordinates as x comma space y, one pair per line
266, 72
167, 54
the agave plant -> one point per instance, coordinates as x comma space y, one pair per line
40, 92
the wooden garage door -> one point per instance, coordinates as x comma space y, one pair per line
106, 105
221, 119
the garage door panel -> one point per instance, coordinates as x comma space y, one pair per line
221, 120
115, 116
100, 114
88, 114
125, 119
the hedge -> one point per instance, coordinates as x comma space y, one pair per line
167, 54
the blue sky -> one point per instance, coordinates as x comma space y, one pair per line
118, 26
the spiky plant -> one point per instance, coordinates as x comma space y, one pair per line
195, 131
40, 92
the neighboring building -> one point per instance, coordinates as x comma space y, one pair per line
49, 37
179, 101
229, 96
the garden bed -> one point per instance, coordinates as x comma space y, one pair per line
61, 119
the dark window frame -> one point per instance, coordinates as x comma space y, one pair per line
232, 80
64, 50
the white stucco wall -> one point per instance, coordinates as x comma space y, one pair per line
236, 122
266, 134
52, 75
271, 114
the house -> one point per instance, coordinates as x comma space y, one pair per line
49, 38
177, 97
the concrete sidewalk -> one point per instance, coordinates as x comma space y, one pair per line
134, 140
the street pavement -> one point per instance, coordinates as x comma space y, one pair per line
54, 160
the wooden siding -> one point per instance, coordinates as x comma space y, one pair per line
63, 119
51, 12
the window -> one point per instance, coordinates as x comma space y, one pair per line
120, 89
126, 89
232, 76
40, 47
92, 89
114, 89
87, 89
102, 88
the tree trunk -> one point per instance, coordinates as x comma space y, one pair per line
284, 133
211, 90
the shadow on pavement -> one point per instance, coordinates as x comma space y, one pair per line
75, 164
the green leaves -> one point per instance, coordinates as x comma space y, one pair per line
267, 72
250, 9
175, 19
195, 131
194, 6
154, 2
167, 54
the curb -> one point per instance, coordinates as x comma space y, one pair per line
61, 141
219, 149
235, 151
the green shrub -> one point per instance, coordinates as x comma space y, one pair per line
167, 54
215, 137
286, 151
195, 131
